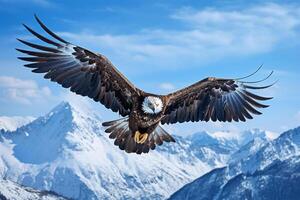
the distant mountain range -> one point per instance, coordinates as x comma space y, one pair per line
259, 170
67, 152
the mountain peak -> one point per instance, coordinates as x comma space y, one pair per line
293, 133
64, 127
74, 110
202, 138
64, 105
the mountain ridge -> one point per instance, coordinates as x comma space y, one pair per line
252, 175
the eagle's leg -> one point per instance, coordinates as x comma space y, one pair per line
140, 138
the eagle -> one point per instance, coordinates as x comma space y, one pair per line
91, 74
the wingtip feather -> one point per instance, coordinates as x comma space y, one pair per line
45, 28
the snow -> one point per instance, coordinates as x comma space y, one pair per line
263, 154
12, 123
13, 191
243, 137
252, 172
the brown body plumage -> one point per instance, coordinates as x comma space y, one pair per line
93, 75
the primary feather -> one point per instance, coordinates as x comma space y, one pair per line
84, 72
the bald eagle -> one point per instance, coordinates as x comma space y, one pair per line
91, 74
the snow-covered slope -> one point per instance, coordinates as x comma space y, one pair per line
263, 154
13, 191
259, 170
67, 152
12, 123
211, 149
217, 146
247, 150
279, 180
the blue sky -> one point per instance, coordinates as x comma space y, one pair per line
161, 46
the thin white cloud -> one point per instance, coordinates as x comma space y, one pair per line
22, 91
267, 16
167, 86
249, 30
211, 34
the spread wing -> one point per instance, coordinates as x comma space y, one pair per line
214, 99
84, 72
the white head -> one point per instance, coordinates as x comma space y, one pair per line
152, 105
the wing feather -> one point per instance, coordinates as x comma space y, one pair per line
214, 99
82, 71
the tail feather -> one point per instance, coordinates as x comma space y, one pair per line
114, 122
124, 138
165, 135
130, 144
114, 133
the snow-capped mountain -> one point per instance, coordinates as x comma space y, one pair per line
13, 191
67, 152
263, 154
279, 180
248, 149
12, 123
218, 146
209, 149
259, 170
239, 139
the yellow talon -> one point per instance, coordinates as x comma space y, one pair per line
144, 138
136, 136
140, 138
